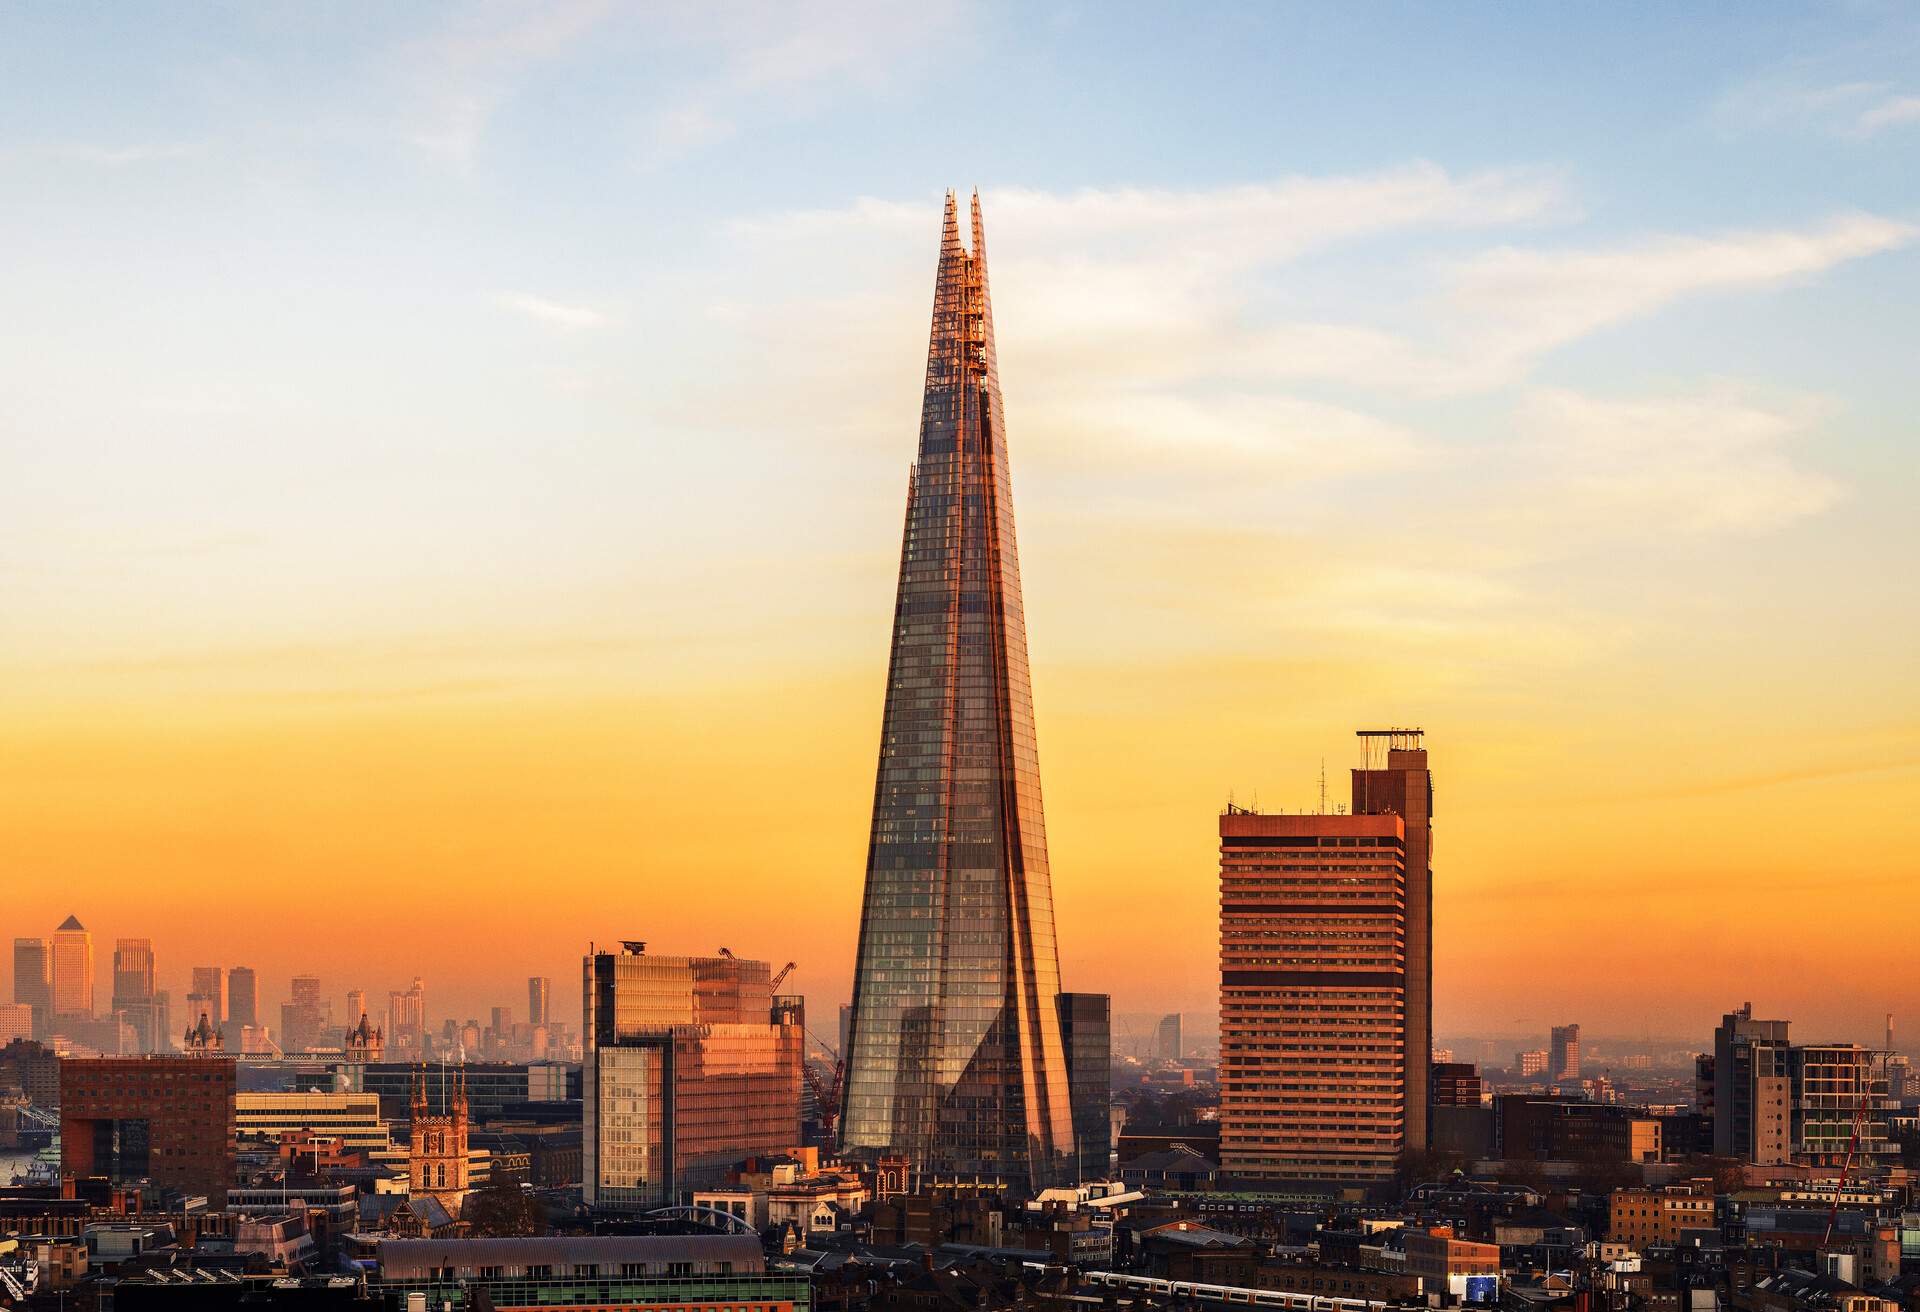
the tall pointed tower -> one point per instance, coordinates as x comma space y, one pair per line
955, 1058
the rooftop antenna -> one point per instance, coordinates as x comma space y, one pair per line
1323, 785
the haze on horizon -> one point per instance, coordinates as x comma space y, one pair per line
452, 459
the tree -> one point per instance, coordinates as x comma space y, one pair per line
503, 1209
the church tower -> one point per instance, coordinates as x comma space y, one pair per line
437, 1157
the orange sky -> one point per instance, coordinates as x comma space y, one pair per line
1620, 840
438, 529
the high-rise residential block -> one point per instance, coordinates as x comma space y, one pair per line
1752, 1089
33, 979
16, 1022
1831, 1082
691, 1065
72, 971
1313, 996
1563, 1047
955, 1060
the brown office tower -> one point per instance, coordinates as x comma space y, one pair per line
1403, 786
1313, 996
955, 1056
165, 1119
692, 1065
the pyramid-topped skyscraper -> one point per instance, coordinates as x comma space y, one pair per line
956, 1062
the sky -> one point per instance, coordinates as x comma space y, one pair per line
452, 461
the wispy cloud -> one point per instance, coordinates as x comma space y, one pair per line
1237, 225
1709, 462
80, 152
1896, 111
461, 75
555, 313
756, 62
1516, 304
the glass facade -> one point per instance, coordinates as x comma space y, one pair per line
692, 1064
1086, 1026
955, 1053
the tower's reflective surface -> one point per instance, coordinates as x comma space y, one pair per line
956, 1061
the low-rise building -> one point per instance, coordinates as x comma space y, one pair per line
666, 1273
352, 1118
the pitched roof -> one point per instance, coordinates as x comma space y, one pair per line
70, 925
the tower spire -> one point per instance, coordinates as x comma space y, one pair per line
956, 1060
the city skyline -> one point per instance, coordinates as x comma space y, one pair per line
423, 467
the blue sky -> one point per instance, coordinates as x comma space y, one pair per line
1542, 373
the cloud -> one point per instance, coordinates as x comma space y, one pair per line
1286, 438
1894, 112
118, 156
764, 62
1233, 226
1171, 285
1494, 315
462, 75
1513, 305
1716, 461
682, 131
1792, 98
552, 312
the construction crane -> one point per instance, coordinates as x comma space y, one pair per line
780, 979
1853, 1147
826, 1088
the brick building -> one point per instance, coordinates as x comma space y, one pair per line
165, 1119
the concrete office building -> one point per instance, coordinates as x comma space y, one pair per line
352, 1118
1326, 974
1313, 993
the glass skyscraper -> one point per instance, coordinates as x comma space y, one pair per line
955, 1057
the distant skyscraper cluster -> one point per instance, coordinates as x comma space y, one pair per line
53, 999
